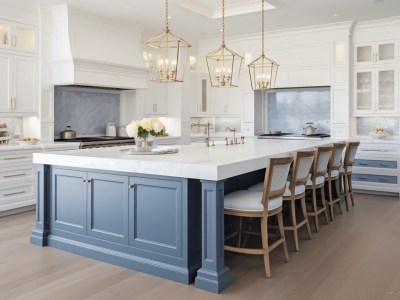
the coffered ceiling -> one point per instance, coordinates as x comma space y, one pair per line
199, 19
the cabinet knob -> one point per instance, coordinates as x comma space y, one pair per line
131, 186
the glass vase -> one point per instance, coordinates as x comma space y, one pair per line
142, 145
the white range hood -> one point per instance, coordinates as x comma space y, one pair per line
88, 50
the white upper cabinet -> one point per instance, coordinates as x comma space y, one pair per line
5, 82
376, 91
18, 85
375, 53
155, 99
18, 37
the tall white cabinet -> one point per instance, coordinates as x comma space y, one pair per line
375, 69
19, 70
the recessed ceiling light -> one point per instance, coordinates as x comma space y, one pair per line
335, 15
169, 17
377, 1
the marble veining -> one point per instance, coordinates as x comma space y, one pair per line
14, 125
88, 111
288, 110
366, 124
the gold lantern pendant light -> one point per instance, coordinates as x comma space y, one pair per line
224, 64
263, 70
166, 55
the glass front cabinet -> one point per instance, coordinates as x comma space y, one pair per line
18, 36
376, 91
375, 53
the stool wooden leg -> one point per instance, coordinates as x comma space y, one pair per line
338, 195
282, 232
294, 224
264, 237
315, 208
351, 190
324, 204
304, 210
346, 191
330, 200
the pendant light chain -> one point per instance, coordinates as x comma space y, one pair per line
166, 16
223, 22
262, 29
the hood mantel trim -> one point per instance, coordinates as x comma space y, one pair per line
95, 73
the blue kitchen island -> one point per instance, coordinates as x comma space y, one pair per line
159, 214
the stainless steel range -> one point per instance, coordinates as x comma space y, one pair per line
100, 141
293, 136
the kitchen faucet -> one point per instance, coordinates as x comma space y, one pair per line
234, 134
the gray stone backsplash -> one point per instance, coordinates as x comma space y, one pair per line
288, 110
87, 110
366, 124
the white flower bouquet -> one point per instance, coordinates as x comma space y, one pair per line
145, 128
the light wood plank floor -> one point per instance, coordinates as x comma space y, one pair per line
355, 257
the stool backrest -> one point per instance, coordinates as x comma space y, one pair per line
321, 161
301, 168
337, 156
350, 155
275, 178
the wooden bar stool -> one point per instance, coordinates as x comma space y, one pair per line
317, 181
346, 172
261, 205
295, 190
332, 177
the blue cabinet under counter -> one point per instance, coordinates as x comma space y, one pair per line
375, 178
370, 163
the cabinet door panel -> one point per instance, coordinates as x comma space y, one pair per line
364, 54
25, 83
25, 37
364, 81
5, 30
386, 90
68, 200
108, 207
155, 209
5, 82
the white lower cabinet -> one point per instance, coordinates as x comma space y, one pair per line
377, 168
18, 177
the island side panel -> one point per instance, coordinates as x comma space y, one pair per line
41, 231
213, 275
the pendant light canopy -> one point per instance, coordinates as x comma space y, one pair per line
263, 70
166, 55
224, 64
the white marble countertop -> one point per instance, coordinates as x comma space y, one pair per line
39, 146
193, 161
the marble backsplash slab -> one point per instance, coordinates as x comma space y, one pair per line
14, 124
366, 124
87, 110
288, 110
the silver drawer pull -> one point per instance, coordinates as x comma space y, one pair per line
384, 165
15, 158
131, 186
16, 175
383, 180
363, 178
363, 164
12, 194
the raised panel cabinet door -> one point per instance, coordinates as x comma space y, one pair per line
25, 84
5, 83
68, 200
156, 215
108, 207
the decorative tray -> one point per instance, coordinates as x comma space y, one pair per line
156, 151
